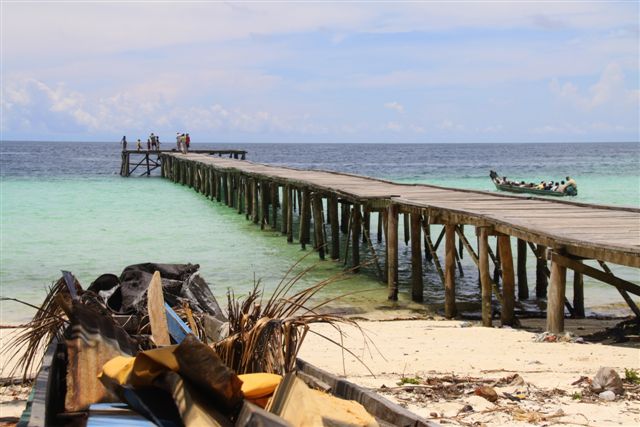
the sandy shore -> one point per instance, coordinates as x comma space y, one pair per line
430, 352
449, 359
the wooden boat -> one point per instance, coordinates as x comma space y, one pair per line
570, 191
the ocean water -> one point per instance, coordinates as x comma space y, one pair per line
63, 206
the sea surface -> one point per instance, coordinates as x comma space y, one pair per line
63, 206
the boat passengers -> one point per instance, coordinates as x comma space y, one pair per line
571, 182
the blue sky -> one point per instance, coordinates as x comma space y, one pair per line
322, 71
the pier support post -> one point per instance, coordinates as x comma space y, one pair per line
366, 225
578, 295
246, 182
275, 201
335, 227
405, 225
318, 225
508, 281
290, 204
255, 210
417, 284
379, 232
344, 217
541, 276
264, 204
485, 276
356, 227
450, 272
392, 251
523, 286
285, 210
556, 296
305, 220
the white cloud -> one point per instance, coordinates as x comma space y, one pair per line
609, 89
395, 106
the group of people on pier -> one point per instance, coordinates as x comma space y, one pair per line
153, 143
183, 141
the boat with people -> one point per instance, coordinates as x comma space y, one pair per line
561, 188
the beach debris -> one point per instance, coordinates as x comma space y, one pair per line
93, 338
123, 328
607, 395
300, 405
551, 337
465, 324
607, 379
487, 392
157, 314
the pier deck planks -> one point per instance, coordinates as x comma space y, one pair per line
600, 232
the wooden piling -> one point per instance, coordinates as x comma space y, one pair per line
285, 210
379, 231
275, 202
291, 196
344, 217
335, 226
264, 204
555, 299
392, 251
508, 281
356, 227
450, 310
318, 225
523, 286
485, 276
578, 295
305, 218
417, 284
406, 226
541, 276
255, 190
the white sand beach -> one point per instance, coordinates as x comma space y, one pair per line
432, 349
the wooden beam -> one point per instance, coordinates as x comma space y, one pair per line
508, 281
432, 251
632, 305
417, 284
595, 273
485, 277
392, 251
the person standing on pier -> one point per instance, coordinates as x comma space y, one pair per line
178, 141
187, 141
153, 141
157, 143
124, 143
139, 145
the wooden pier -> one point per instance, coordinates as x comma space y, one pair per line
559, 234
150, 160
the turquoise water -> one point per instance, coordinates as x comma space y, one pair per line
78, 215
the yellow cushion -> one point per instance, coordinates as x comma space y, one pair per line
259, 385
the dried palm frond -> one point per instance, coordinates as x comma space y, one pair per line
47, 324
267, 338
